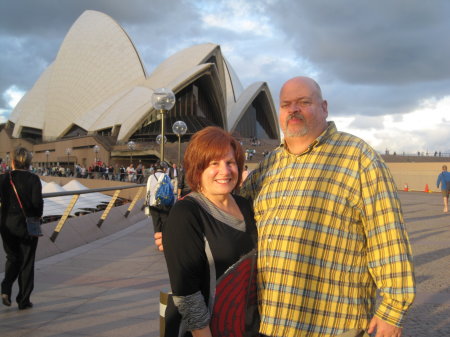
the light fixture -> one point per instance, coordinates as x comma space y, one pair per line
131, 147
163, 100
179, 128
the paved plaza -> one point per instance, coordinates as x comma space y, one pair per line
111, 287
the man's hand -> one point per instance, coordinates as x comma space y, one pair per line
383, 328
158, 241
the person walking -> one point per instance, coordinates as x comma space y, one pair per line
174, 173
444, 182
19, 247
158, 213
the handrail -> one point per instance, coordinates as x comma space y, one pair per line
76, 194
92, 190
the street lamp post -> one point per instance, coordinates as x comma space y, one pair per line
47, 152
68, 152
163, 100
131, 147
159, 141
96, 150
179, 128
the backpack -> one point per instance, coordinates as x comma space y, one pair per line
164, 194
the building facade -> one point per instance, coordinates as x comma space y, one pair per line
96, 97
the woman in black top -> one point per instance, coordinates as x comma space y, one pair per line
209, 231
20, 248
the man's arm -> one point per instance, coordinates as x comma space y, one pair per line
388, 249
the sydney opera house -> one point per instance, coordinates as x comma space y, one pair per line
96, 97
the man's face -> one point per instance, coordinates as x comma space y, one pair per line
302, 110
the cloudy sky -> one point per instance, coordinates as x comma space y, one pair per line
384, 66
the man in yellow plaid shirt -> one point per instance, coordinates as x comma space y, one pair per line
330, 229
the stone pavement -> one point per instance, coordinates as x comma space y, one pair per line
111, 287
429, 231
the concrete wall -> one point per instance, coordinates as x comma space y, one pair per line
416, 175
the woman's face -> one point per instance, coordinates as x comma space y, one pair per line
220, 176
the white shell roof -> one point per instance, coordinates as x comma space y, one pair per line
180, 62
237, 110
96, 61
234, 86
33, 101
97, 81
94, 198
57, 205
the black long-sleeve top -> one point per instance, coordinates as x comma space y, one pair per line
29, 188
200, 243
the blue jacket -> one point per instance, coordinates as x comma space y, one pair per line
443, 179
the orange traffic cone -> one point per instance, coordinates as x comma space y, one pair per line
426, 188
406, 189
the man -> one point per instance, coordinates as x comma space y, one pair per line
183, 187
173, 175
131, 172
444, 181
330, 229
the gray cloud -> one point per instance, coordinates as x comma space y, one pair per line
370, 42
31, 32
372, 58
367, 122
411, 142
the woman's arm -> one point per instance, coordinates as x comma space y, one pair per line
184, 250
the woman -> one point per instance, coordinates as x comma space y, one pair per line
208, 231
20, 248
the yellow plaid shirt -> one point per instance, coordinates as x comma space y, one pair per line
330, 232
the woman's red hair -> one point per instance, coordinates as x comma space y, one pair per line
206, 145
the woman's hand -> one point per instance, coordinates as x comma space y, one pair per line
158, 241
205, 332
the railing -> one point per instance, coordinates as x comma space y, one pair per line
122, 177
76, 195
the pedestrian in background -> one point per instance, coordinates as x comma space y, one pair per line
20, 248
444, 181
159, 213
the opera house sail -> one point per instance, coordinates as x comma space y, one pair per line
98, 92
